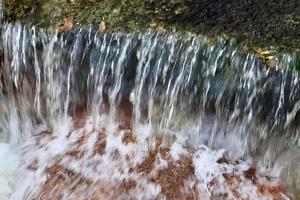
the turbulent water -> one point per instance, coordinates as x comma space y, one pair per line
210, 92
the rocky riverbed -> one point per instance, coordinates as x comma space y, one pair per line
80, 161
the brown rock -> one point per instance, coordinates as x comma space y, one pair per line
172, 179
128, 137
165, 153
251, 174
100, 144
65, 26
102, 26
272, 63
128, 185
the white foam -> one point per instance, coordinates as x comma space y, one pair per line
8, 164
119, 162
177, 150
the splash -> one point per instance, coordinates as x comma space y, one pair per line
8, 167
114, 163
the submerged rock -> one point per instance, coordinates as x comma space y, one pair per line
146, 168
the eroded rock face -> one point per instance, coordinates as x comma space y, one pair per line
109, 162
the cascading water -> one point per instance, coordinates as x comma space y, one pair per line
203, 92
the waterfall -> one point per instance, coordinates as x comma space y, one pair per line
209, 91
1, 11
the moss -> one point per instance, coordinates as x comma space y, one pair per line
252, 22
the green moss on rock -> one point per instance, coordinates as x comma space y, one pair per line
253, 22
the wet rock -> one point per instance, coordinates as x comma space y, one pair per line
102, 26
65, 26
100, 144
128, 137
272, 63
128, 185
105, 171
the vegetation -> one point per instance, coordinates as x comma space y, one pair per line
262, 23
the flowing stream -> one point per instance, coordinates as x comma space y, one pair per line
211, 92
